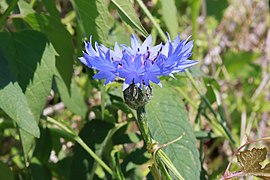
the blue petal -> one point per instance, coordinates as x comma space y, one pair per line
105, 75
146, 44
135, 44
183, 65
89, 49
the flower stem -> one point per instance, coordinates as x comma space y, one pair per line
159, 155
149, 15
77, 138
143, 125
204, 98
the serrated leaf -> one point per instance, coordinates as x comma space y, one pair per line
168, 120
93, 18
14, 103
169, 15
250, 162
60, 39
128, 14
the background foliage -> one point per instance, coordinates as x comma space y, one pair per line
41, 78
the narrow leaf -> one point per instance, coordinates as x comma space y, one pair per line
128, 14
168, 120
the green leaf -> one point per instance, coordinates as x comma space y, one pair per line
240, 65
93, 18
74, 100
168, 120
82, 162
39, 171
30, 60
250, 161
14, 103
5, 172
52, 9
60, 39
128, 14
216, 8
169, 15
25, 8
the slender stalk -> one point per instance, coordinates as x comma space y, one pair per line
104, 145
149, 15
195, 10
80, 142
103, 94
143, 125
7, 12
208, 104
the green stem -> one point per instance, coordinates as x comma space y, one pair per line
195, 10
7, 12
80, 142
161, 157
149, 15
208, 104
104, 145
143, 125
103, 94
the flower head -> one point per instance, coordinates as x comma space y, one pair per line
138, 64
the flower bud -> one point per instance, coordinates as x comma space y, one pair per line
136, 97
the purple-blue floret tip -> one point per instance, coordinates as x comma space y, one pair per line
138, 64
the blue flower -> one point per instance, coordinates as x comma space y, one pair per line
138, 64
174, 56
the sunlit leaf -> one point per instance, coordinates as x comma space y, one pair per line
25, 7
60, 39
29, 59
93, 19
168, 120
74, 100
250, 162
169, 15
